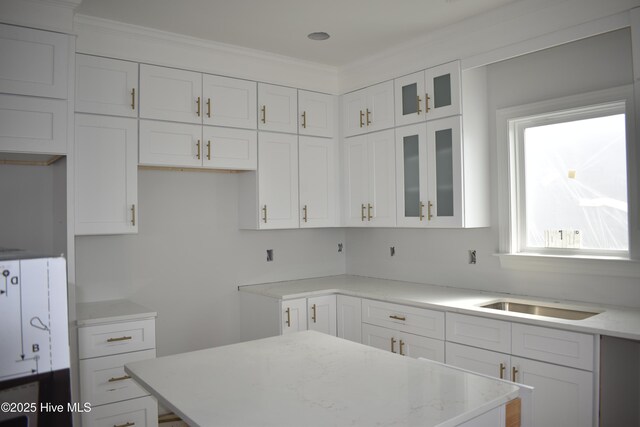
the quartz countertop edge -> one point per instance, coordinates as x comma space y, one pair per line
615, 321
313, 379
120, 310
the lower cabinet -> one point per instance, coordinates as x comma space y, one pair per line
349, 318
402, 343
316, 314
136, 412
293, 316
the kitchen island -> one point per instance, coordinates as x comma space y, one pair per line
312, 379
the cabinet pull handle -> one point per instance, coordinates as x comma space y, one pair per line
369, 207
198, 148
362, 215
421, 206
401, 345
427, 98
288, 317
368, 119
208, 107
393, 316
118, 339
264, 216
304, 217
124, 425
209, 150
133, 215
514, 374
313, 316
264, 113
393, 341
361, 119
429, 206
122, 378
502, 369
198, 103
133, 98
304, 119
419, 110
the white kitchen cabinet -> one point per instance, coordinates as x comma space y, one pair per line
318, 182
106, 175
170, 144
316, 114
278, 108
321, 314
229, 102
402, 343
479, 360
370, 198
225, 148
410, 99
411, 175
106, 86
170, 94
33, 125
33, 62
414, 320
368, 110
490, 334
293, 316
349, 318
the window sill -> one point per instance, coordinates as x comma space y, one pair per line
591, 265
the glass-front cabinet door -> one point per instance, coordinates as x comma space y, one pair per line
442, 90
410, 99
411, 178
444, 179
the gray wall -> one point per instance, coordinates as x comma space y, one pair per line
189, 257
440, 256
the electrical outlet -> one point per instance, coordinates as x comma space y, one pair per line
340, 247
472, 256
392, 250
269, 255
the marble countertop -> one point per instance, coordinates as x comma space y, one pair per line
94, 313
612, 320
312, 379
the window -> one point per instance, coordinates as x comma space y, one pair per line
563, 176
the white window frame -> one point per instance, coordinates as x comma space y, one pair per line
509, 122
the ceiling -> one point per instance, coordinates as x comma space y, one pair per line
358, 28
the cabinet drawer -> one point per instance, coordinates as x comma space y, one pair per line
141, 412
551, 345
480, 332
414, 320
116, 338
103, 380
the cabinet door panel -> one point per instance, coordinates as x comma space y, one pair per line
349, 318
357, 185
416, 346
411, 175
444, 154
278, 108
379, 109
316, 114
317, 182
353, 109
170, 94
33, 62
170, 144
409, 99
378, 337
225, 148
278, 180
106, 86
294, 315
382, 175
321, 314
229, 102
443, 89
106, 169
478, 360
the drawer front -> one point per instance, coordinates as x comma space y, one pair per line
480, 332
141, 412
419, 321
103, 380
552, 345
116, 338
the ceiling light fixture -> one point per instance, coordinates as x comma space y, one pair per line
320, 35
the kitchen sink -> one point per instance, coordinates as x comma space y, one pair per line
540, 310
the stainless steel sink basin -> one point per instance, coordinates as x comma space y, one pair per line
541, 310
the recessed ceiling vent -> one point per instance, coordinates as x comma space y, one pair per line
320, 35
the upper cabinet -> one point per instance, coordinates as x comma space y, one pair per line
318, 182
33, 62
316, 114
368, 110
170, 94
428, 95
229, 102
106, 86
278, 108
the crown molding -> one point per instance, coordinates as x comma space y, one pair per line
105, 37
53, 15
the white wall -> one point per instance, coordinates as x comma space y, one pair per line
440, 256
189, 257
